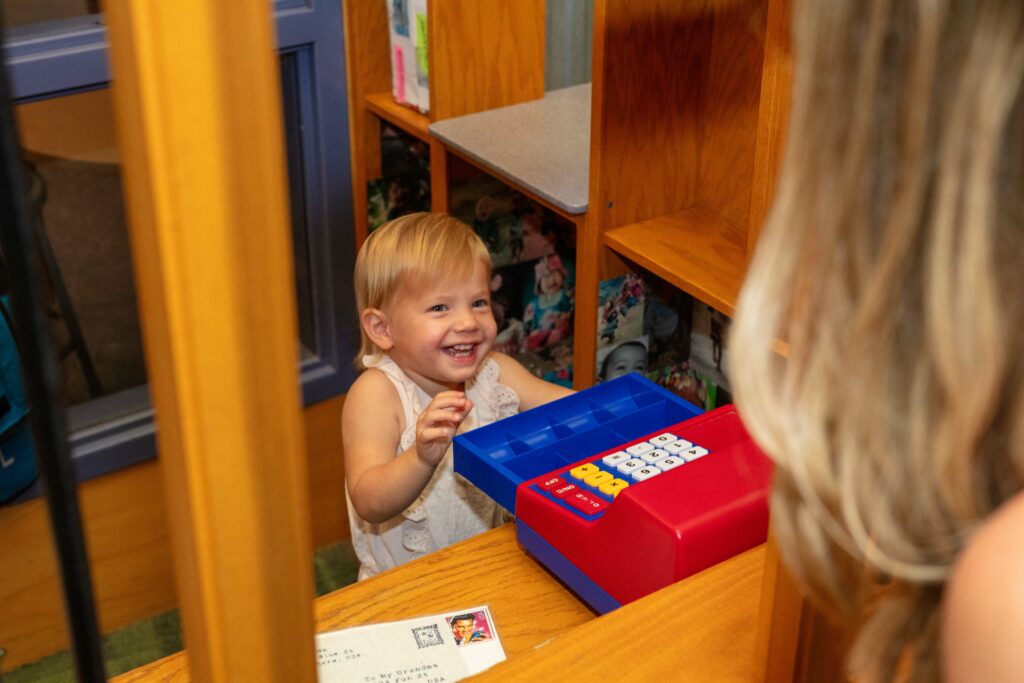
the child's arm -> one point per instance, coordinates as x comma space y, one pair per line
532, 390
380, 484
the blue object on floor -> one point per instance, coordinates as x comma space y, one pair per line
18, 467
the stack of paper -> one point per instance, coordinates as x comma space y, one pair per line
407, 21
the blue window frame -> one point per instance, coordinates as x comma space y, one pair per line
59, 58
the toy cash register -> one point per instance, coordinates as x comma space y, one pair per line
623, 488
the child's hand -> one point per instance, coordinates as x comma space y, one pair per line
437, 425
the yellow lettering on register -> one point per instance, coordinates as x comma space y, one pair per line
613, 487
584, 470
598, 478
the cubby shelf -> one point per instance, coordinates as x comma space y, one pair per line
482, 54
541, 146
411, 121
692, 250
664, 162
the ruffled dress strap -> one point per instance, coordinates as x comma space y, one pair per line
492, 399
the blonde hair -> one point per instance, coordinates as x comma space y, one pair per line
417, 247
892, 265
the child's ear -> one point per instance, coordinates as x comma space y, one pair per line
375, 324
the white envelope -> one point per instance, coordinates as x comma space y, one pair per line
422, 650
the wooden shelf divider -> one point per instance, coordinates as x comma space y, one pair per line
383, 105
692, 250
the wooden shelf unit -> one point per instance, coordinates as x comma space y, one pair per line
686, 118
482, 54
688, 113
679, 90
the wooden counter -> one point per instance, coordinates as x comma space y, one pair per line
700, 629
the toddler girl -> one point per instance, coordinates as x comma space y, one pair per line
427, 331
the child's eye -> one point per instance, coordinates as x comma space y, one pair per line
438, 308
481, 303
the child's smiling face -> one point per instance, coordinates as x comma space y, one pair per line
441, 330
630, 357
552, 282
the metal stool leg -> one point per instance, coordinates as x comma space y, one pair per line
37, 197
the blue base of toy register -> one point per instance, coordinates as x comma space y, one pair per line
582, 472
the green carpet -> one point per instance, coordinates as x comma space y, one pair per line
334, 566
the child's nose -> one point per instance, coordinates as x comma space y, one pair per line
465, 320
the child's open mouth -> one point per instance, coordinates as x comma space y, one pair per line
461, 351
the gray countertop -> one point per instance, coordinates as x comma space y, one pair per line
542, 145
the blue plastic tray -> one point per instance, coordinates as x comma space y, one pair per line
498, 457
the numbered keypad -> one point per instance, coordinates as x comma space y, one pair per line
591, 487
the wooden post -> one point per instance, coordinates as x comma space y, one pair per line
199, 113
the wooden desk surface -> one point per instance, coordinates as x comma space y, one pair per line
700, 629
489, 569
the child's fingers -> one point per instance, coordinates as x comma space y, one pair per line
435, 434
445, 419
439, 423
453, 415
447, 394
455, 401
433, 444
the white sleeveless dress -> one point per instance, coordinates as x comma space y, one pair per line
450, 508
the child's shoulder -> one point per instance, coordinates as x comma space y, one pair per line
532, 390
509, 370
504, 362
371, 419
371, 392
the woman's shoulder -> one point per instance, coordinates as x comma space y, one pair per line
983, 610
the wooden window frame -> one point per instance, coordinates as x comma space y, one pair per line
67, 56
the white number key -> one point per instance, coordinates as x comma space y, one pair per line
645, 473
677, 447
654, 456
671, 462
629, 466
615, 458
640, 448
663, 439
694, 453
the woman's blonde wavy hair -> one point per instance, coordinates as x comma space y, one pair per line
416, 248
893, 266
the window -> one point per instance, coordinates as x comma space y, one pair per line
33, 12
57, 60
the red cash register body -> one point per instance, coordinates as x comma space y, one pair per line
663, 529
623, 488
